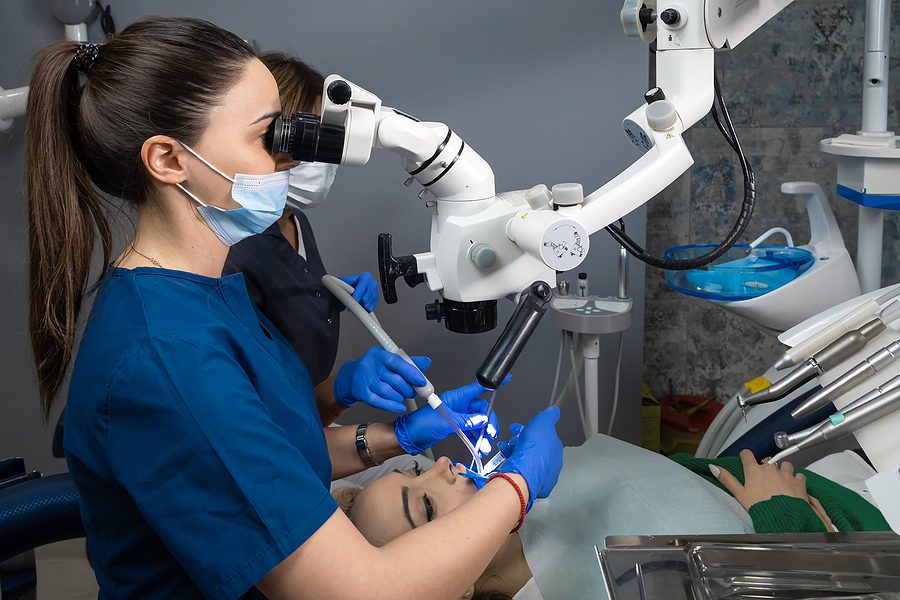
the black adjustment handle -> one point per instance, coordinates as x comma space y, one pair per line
391, 267
499, 361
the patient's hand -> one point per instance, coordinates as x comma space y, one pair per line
823, 516
762, 482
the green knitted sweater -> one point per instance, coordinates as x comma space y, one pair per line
784, 514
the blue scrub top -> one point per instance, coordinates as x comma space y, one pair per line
193, 437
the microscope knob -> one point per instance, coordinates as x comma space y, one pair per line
483, 256
339, 92
670, 17
568, 194
538, 197
434, 311
653, 95
661, 115
391, 267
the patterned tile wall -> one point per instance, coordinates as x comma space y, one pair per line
791, 84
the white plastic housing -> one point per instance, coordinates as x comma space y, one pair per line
869, 164
12, 105
456, 174
560, 242
456, 228
359, 117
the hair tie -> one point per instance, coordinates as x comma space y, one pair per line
86, 57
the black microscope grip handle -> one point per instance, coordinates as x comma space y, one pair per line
516, 334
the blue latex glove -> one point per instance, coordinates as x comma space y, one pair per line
507, 448
537, 454
379, 378
478, 480
365, 290
423, 428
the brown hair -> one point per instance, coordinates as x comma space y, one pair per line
159, 76
299, 85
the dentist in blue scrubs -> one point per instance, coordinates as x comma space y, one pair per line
192, 431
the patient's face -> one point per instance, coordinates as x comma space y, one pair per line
404, 500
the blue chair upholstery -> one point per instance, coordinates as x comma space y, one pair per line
34, 511
38, 512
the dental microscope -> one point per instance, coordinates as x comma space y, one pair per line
487, 246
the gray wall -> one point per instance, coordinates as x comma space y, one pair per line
538, 88
790, 85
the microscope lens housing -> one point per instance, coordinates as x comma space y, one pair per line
304, 138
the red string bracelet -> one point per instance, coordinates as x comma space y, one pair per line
521, 520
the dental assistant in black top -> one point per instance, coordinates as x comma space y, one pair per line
283, 269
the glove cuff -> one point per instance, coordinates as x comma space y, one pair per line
341, 387
406, 444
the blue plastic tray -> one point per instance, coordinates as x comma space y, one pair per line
741, 274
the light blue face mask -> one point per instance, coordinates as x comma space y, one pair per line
262, 199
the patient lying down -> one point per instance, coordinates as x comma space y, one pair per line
609, 487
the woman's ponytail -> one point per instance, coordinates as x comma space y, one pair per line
65, 214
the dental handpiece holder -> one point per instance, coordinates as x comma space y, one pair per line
500, 360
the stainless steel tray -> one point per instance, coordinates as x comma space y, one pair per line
781, 566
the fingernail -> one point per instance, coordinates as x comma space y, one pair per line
476, 421
491, 430
715, 471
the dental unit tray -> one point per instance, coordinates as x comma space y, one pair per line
742, 273
848, 566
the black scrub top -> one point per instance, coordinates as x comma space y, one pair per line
288, 289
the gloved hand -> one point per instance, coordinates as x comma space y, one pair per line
365, 290
379, 378
537, 454
423, 428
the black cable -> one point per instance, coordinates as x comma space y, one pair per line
726, 127
106, 20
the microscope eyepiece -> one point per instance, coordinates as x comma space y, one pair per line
303, 137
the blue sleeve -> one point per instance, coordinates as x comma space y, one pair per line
210, 471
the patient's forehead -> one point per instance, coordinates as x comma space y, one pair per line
378, 510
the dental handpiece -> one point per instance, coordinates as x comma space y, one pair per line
859, 373
829, 357
343, 292
844, 422
848, 322
784, 439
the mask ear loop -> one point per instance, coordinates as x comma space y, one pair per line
211, 166
206, 162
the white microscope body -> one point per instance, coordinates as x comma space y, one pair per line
486, 246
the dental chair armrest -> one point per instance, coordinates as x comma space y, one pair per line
38, 512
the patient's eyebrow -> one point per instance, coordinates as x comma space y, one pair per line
404, 496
